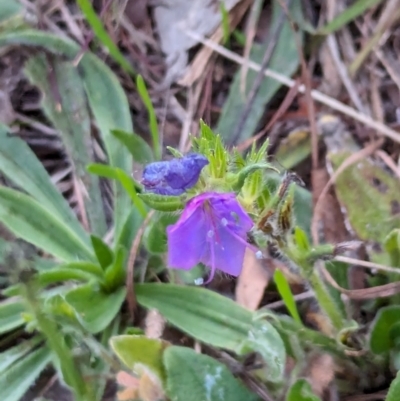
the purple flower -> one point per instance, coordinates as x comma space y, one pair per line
173, 177
211, 230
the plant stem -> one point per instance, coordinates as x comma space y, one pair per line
325, 300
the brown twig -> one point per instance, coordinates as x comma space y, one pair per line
130, 290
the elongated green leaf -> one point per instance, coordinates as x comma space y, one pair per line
61, 274
107, 100
144, 94
10, 315
110, 108
17, 379
139, 354
285, 59
115, 273
64, 103
137, 146
95, 309
194, 377
13, 354
203, 314
346, 16
21, 166
286, 294
31, 221
394, 390
103, 36
301, 391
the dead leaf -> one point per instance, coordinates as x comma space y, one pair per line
321, 373
252, 282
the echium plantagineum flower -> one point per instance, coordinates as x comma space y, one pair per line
175, 176
211, 230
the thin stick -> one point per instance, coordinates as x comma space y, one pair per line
316, 95
368, 265
130, 291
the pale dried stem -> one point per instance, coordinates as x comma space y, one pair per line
368, 265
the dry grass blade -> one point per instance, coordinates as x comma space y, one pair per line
316, 95
368, 265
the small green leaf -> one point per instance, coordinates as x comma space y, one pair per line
163, 203
225, 22
11, 315
392, 247
32, 222
94, 308
194, 377
301, 391
301, 240
286, 294
115, 273
246, 171
59, 274
394, 389
16, 380
137, 146
381, 338
144, 94
139, 354
98, 28
203, 314
103, 252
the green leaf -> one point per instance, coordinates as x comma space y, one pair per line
264, 339
285, 59
225, 22
140, 354
59, 274
301, 391
94, 308
163, 203
203, 314
103, 252
128, 184
17, 379
301, 240
13, 354
11, 315
392, 247
99, 30
383, 332
32, 222
194, 377
144, 94
155, 238
137, 146
348, 15
394, 389
115, 274
286, 294
21, 166
64, 103
110, 108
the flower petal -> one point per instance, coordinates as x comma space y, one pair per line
187, 240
